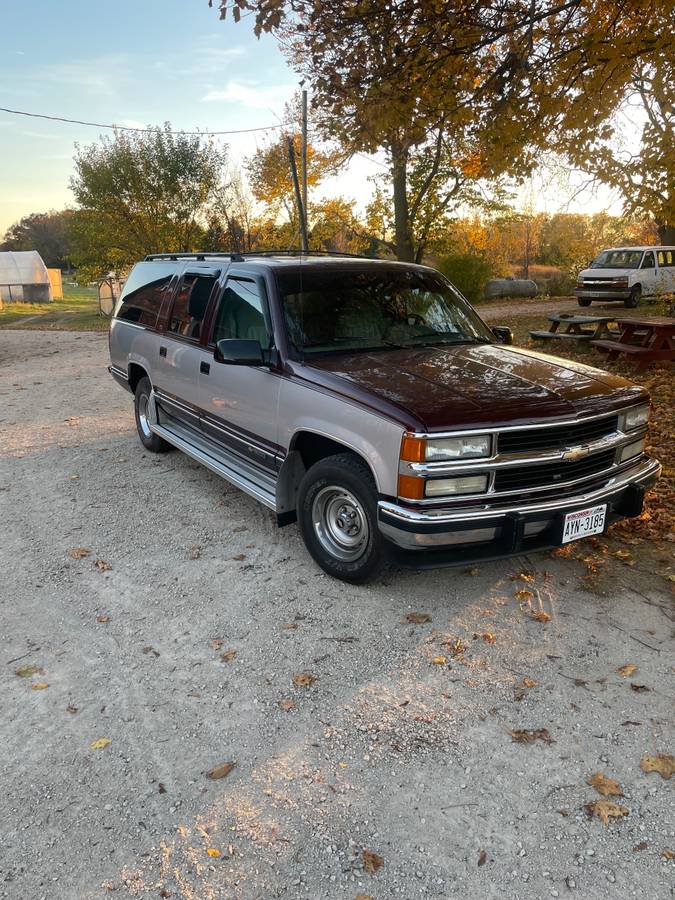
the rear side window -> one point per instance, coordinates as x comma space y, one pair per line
143, 293
189, 305
666, 259
241, 313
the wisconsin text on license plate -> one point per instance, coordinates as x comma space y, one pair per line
584, 522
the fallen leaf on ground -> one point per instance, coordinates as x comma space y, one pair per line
439, 660
641, 846
371, 861
216, 643
663, 763
605, 786
605, 810
303, 679
489, 637
39, 686
622, 554
220, 771
627, 670
27, 671
482, 857
667, 853
161, 787
289, 626
102, 565
526, 576
194, 552
417, 618
238, 557
524, 686
524, 736
74, 477
639, 688
472, 570
580, 682
150, 650
287, 705
523, 594
100, 744
79, 552
540, 616
228, 655
71, 709
103, 619
211, 851
363, 897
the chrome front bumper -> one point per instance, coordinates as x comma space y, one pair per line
505, 530
615, 294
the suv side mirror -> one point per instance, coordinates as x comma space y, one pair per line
236, 352
503, 334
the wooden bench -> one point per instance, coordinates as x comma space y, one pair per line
574, 328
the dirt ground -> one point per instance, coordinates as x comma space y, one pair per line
177, 636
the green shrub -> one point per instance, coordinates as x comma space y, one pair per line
468, 273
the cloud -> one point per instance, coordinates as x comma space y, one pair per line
250, 95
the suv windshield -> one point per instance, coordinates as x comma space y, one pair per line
617, 259
375, 308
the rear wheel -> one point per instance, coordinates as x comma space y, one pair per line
337, 513
150, 441
635, 297
584, 301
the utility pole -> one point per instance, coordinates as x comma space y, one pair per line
298, 195
303, 152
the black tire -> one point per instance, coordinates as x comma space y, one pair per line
584, 301
150, 441
635, 297
337, 514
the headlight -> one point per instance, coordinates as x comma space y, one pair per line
631, 450
474, 447
620, 281
635, 417
445, 487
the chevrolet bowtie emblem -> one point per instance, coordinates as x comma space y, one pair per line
576, 453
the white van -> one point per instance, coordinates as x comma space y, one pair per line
627, 273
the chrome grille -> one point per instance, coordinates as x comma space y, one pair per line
514, 478
556, 438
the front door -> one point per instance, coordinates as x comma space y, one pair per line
648, 274
239, 403
179, 351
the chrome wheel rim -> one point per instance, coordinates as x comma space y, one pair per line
143, 421
340, 523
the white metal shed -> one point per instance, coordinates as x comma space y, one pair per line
24, 277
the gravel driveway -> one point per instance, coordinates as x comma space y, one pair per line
390, 772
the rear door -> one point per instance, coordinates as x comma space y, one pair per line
240, 402
180, 346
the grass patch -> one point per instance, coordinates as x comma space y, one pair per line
78, 311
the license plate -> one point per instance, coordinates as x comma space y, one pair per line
584, 523
596, 294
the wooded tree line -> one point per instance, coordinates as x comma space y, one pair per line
459, 100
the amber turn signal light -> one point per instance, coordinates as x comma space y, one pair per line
413, 449
410, 488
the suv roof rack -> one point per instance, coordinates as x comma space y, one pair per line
241, 255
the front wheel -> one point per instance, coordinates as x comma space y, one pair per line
634, 299
584, 301
337, 514
150, 441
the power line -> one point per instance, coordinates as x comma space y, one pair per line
20, 112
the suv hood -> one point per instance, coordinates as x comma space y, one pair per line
438, 388
605, 273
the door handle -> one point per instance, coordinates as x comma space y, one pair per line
162, 351
204, 368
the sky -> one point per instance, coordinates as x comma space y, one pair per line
143, 62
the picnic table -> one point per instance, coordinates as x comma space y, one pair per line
647, 340
577, 328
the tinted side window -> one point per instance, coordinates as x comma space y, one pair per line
144, 292
241, 313
666, 259
189, 305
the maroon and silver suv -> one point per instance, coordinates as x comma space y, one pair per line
367, 400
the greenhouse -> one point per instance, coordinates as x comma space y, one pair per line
24, 277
